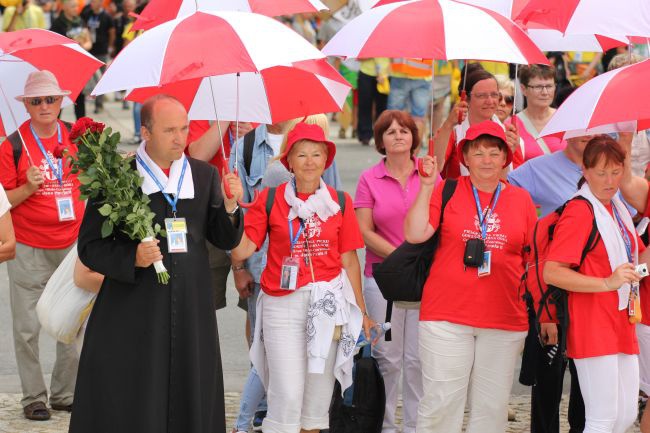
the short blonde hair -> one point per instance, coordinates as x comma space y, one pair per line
504, 82
623, 59
314, 119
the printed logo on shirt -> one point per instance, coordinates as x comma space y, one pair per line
51, 185
494, 239
317, 247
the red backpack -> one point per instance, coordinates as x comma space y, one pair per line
546, 303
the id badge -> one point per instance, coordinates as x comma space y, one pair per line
176, 235
65, 208
484, 269
289, 273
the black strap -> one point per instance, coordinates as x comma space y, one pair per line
249, 141
447, 193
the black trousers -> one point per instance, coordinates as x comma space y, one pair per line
368, 95
547, 393
80, 106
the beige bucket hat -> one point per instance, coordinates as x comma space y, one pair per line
42, 83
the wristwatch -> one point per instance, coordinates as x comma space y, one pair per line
234, 211
237, 268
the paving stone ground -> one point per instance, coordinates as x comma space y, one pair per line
12, 420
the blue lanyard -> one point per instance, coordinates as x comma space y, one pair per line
171, 202
483, 217
291, 238
57, 173
626, 238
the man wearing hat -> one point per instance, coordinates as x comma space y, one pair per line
46, 213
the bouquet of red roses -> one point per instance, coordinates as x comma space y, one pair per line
105, 175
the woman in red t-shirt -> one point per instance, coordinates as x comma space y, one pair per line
483, 98
601, 336
472, 319
311, 310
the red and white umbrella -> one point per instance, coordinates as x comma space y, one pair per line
159, 11
186, 48
609, 18
434, 29
550, 39
616, 101
26, 51
272, 95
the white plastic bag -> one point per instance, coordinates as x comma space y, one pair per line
63, 307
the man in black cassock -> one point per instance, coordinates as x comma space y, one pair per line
151, 360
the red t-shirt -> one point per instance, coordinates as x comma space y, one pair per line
327, 240
36, 220
451, 169
644, 291
458, 295
197, 129
596, 326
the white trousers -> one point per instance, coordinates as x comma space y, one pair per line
610, 388
643, 335
397, 358
457, 359
296, 399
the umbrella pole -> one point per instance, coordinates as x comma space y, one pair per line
216, 115
433, 77
22, 141
237, 122
463, 93
514, 100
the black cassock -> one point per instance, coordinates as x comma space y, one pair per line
151, 360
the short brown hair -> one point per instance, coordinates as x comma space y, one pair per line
527, 73
599, 147
384, 121
146, 112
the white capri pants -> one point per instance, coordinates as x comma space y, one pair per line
457, 358
397, 358
296, 399
643, 336
610, 389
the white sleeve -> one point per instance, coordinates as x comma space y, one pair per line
4, 201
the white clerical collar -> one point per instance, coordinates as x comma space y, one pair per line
170, 183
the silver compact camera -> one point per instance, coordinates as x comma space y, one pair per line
642, 270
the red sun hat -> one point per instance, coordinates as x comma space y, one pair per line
487, 127
305, 131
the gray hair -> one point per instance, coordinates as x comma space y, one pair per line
623, 59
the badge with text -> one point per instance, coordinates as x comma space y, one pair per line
176, 235
484, 269
65, 208
289, 274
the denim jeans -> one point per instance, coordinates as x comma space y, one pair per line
136, 118
406, 93
253, 397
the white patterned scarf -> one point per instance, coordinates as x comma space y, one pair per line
319, 203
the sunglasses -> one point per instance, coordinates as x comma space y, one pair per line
508, 99
47, 99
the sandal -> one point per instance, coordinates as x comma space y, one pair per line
37, 411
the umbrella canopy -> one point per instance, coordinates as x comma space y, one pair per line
159, 11
615, 101
434, 29
26, 51
603, 17
550, 39
272, 95
184, 49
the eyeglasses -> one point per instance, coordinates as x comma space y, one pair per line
49, 100
508, 99
538, 89
484, 96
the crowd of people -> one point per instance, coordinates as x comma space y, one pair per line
148, 358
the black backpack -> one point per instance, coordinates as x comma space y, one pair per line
361, 408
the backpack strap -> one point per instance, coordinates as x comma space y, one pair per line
341, 197
270, 200
447, 193
16, 146
249, 142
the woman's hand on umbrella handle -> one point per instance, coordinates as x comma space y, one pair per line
512, 137
428, 169
463, 102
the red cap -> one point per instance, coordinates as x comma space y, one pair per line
487, 127
305, 131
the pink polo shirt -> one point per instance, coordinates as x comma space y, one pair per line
389, 202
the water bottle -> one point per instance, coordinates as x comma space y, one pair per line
376, 332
